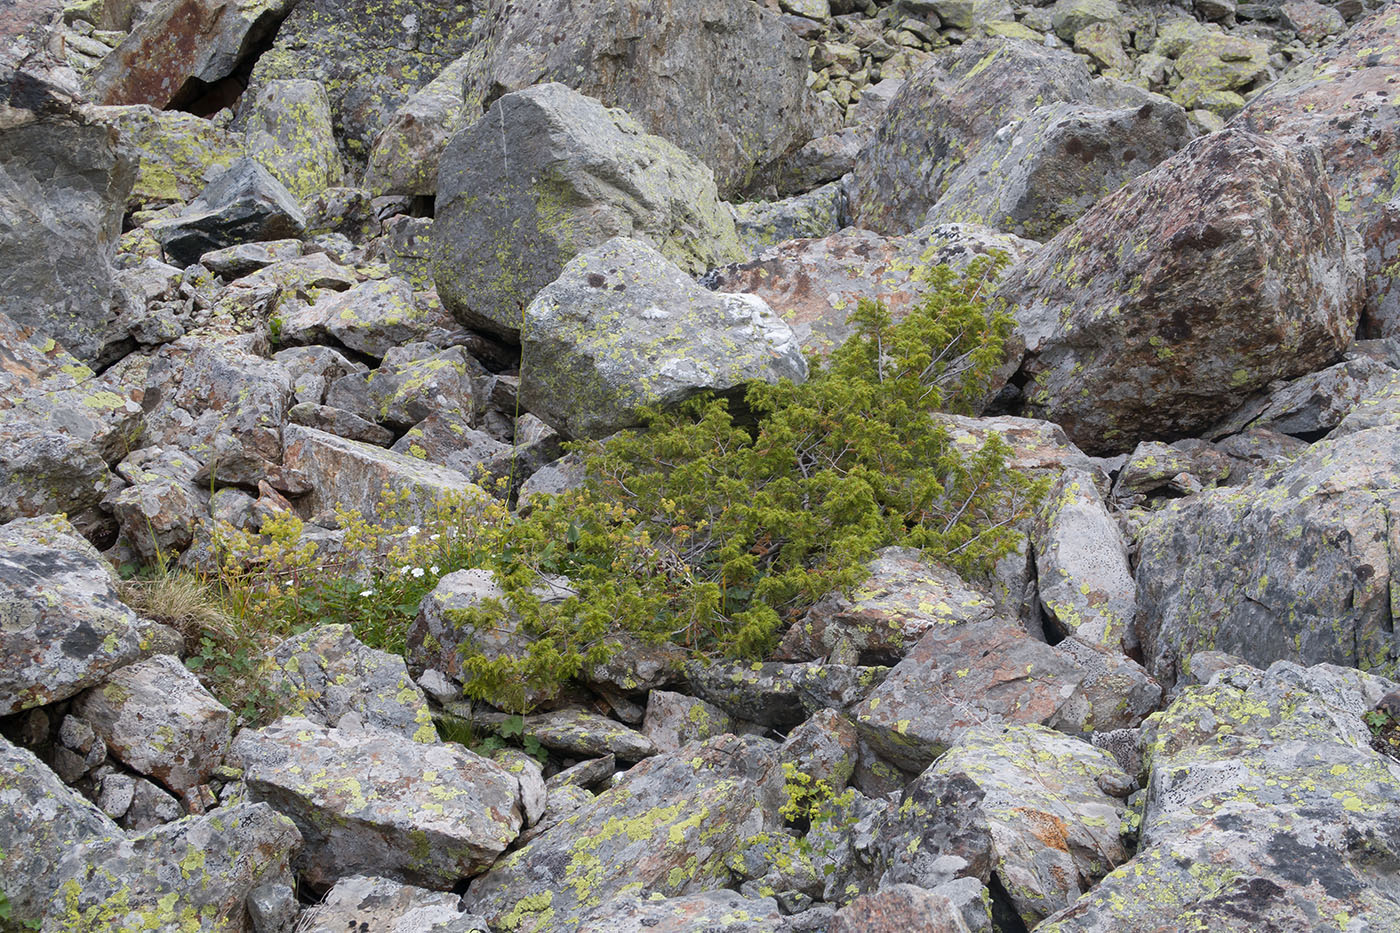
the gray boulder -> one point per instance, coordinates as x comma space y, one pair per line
668, 827
1295, 566
674, 719
1314, 404
176, 153
944, 114
712, 911
64, 180
289, 133
194, 874
622, 328
244, 204
65, 629
548, 173
41, 819
371, 903
725, 80
1131, 314
1042, 172
407, 150
368, 800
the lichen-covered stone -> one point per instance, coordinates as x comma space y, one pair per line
674, 719
779, 695
41, 819
548, 173
668, 828
622, 328
369, 800
1266, 808
371, 318
943, 114
878, 622
1314, 404
1086, 583
176, 153
1295, 566
289, 132
357, 476
406, 153
734, 93
713, 911
326, 673
1130, 315
158, 719
900, 908
581, 734
824, 748
62, 626
370, 903
817, 213
1043, 171
414, 382
191, 875
815, 285
161, 508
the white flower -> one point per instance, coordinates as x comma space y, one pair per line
413, 529
418, 571
434, 537
366, 592
403, 569
434, 570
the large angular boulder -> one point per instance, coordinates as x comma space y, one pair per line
1132, 315
623, 328
176, 153
371, 318
370, 56
41, 819
1338, 101
407, 151
157, 718
668, 827
1269, 779
359, 476
1043, 171
245, 204
942, 116
979, 673
289, 133
374, 801
725, 80
326, 673
548, 173
64, 627
815, 285
193, 874
64, 180
181, 48
1295, 566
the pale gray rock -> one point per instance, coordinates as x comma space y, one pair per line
548, 173
713, 911
529, 773
412, 383
824, 748
581, 734
372, 318
368, 800
816, 213
379, 904
622, 328
176, 154
156, 718
64, 626
41, 819
1311, 405
407, 150
674, 719
151, 806
289, 133
160, 509
326, 673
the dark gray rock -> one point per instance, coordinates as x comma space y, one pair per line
245, 204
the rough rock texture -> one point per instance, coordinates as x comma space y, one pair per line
548, 173
244, 204
372, 318
368, 800
289, 133
407, 151
326, 673
64, 180
1297, 566
1131, 314
1313, 404
989, 672
733, 90
711, 911
1042, 172
64, 628
41, 819
158, 720
944, 114
371, 903
623, 328
814, 285
1086, 583
674, 719
1339, 101
194, 874
668, 826
901, 599
357, 476
180, 48
176, 153
370, 56
1269, 779
581, 734
900, 908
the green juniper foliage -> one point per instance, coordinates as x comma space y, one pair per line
714, 530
